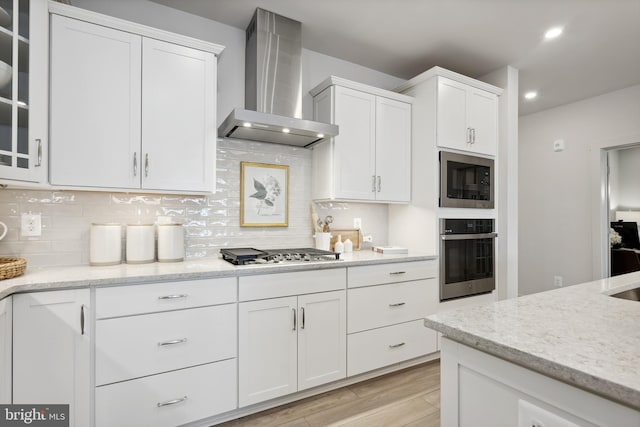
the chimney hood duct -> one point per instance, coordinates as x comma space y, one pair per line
273, 87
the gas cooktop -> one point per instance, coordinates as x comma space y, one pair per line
248, 256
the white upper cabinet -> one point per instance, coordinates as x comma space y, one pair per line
178, 117
467, 117
130, 110
393, 150
23, 96
370, 158
95, 105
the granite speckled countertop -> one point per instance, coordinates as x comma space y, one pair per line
578, 334
123, 274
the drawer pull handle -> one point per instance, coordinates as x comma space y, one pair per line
173, 296
397, 273
398, 304
172, 342
172, 402
396, 345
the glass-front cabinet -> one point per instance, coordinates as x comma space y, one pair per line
23, 90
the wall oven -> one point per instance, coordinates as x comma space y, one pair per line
467, 254
466, 181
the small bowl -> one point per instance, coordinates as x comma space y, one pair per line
5, 18
5, 74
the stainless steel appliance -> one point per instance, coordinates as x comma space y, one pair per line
248, 256
467, 254
273, 87
466, 181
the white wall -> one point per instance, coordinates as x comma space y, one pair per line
560, 193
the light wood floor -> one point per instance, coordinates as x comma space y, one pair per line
408, 398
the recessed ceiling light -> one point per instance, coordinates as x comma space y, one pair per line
552, 33
246, 124
530, 95
285, 130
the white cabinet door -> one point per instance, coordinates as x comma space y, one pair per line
322, 338
178, 117
483, 120
467, 118
51, 351
451, 120
95, 105
354, 156
393, 150
5, 350
267, 349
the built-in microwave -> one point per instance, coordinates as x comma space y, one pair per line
466, 181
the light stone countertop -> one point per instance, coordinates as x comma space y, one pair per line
202, 268
579, 335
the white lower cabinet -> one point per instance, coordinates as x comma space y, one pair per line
6, 334
389, 345
168, 399
290, 343
165, 353
51, 351
386, 305
480, 390
131, 347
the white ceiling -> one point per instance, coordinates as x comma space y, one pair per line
598, 52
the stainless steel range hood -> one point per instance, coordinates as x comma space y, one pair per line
273, 87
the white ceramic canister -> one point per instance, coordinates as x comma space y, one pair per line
105, 244
323, 241
140, 245
170, 242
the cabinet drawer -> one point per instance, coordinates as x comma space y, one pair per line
296, 283
385, 346
131, 347
391, 273
154, 297
384, 305
209, 390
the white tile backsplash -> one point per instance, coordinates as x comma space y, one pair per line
211, 222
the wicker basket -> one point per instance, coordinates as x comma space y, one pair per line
12, 267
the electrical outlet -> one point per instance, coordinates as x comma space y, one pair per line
357, 223
557, 281
368, 238
31, 225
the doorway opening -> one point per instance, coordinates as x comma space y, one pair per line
623, 209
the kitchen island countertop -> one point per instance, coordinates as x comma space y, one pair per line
579, 335
202, 268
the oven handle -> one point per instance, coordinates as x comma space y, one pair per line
468, 236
